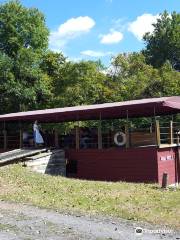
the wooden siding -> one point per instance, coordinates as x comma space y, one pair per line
134, 164
167, 158
142, 138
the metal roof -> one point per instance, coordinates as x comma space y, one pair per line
134, 108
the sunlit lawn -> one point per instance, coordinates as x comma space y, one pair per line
143, 202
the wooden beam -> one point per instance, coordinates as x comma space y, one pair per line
158, 137
77, 137
99, 137
164, 180
5, 139
20, 135
20, 138
127, 136
56, 139
5, 136
178, 142
171, 133
127, 130
99, 134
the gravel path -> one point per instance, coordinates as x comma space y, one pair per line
18, 221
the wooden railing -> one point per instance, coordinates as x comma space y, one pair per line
168, 133
134, 138
9, 141
158, 134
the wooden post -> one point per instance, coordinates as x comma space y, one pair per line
127, 135
56, 139
178, 142
158, 137
99, 134
164, 180
5, 137
20, 138
20, 135
171, 133
77, 137
127, 130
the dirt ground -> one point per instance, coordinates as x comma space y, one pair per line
19, 221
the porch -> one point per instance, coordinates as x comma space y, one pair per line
123, 150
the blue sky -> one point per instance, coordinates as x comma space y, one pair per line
98, 29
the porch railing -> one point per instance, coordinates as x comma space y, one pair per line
158, 134
169, 133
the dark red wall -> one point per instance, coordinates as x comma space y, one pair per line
167, 159
134, 164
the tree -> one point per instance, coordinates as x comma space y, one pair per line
52, 63
21, 27
81, 83
23, 85
24, 38
131, 76
164, 42
167, 83
135, 79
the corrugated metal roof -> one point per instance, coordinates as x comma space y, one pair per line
134, 108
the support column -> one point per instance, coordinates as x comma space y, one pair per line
158, 138
56, 138
77, 137
5, 137
20, 135
99, 133
127, 135
171, 141
127, 130
178, 142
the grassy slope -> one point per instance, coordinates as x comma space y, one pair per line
126, 200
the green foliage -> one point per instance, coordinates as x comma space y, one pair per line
164, 43
32, 77
24, 37
132, 75
81, 83
52, 63
135, 79
167, 83
21, 28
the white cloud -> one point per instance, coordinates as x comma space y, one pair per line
142, 24
75, 59
72, 28
92, 53
112, 37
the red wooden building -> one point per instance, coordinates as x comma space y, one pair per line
126, 153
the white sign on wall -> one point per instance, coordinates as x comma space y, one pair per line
165, 158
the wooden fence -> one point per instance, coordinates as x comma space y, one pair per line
159, 134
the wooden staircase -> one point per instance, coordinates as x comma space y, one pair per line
52, 162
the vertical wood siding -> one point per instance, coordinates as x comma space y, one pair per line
134, 165
167, 163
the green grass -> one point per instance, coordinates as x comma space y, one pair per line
142, 202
